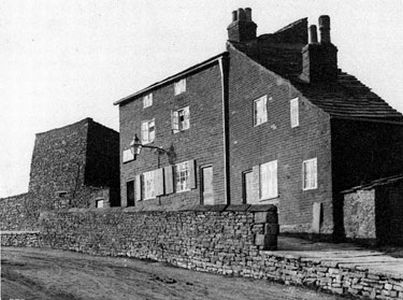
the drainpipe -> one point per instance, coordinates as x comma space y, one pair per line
224, 70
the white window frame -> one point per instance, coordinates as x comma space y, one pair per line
177, 123
260, 111
310, 180
148, 100
294, 112
147, 136
271, 179
180, 86
99, 203
149, 185
182, 177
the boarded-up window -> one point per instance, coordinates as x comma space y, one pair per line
168, 180
268, 180
138, 188
310, 174
149, 185
159, 182
148, 131
127, 155
260, 111
148, 100
294, 113
180, 86
207, 185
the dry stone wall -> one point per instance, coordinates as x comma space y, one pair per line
223, 240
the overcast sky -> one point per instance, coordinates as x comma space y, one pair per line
62, 61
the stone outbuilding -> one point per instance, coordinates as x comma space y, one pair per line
373, 212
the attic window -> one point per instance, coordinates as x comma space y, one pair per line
148, 100
260, 111
180, 86
294, 113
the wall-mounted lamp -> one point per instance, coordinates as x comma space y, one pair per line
136, 146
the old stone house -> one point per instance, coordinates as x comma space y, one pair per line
272, 120
73, 166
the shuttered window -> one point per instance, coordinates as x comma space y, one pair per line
180, 86
185, 178
260, 111
148, 131
294, 113
127, 155
268, 180
181, 119
310, 174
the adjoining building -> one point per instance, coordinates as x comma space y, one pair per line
272, 120
73, 166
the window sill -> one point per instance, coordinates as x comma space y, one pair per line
309, 189
128, 161
273, 200
178, 192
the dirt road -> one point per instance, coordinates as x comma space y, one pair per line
29, 273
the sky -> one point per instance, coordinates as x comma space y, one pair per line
62, 61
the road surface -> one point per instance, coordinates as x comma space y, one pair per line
28, 273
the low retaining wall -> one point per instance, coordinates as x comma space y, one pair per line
20, 238
223, 242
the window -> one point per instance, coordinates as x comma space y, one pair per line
148, 131
207, 192
294, 113
180, 86
127, 155
268, 180
182, 177
130, 193
260, 111
149, 186
309, 174
181, 119
148, 100
99, 203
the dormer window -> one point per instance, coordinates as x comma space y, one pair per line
148, 100
180, 86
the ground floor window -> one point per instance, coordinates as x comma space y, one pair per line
149, 186
182, 176
268, 180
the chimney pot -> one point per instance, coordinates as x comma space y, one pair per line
313, 35
248, 13
234, 16
241, 14
324, 28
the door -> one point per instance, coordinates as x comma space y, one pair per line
130, 193
207, 186
247, 186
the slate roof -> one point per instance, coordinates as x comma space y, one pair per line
280, 52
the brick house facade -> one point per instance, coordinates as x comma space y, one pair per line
272, 120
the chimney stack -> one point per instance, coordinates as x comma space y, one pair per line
242, 29
319, 60
313, 35
324, 28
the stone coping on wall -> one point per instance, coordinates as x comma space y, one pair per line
196, 208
